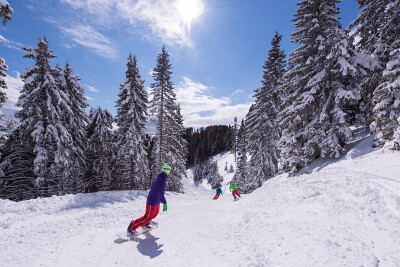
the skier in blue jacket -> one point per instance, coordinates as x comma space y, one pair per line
219, 192
154, 198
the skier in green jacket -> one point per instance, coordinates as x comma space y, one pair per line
233, 189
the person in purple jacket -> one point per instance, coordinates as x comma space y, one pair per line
155, 197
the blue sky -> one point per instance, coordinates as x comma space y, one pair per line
217, 49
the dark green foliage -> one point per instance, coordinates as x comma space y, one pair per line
207, 142
99, 152
17, 180
214, 178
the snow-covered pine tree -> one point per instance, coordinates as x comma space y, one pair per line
367, 34
76, 123
3, 85
214, 178
43, 106
133, 167
231, 170
234, 138
99, 151
321, 86
17, 181
5, 11
169, 144
387, 95
179, 147
198, 172
261, 121
241, 177
66, 178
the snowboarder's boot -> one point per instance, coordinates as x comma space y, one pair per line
131, 233
151, 225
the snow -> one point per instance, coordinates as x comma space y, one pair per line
4, 3
366, 61
338, 212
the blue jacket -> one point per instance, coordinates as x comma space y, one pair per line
157, 190
219, 191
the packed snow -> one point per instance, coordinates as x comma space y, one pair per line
338, 212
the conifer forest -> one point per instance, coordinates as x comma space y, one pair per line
307, 106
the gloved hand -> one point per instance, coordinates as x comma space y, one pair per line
164, 207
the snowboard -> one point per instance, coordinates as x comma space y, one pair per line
121, 238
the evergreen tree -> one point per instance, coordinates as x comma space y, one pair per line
234, 138
198, 172
322, 87
387, 94
367, 34
3, 85
5, 11
43, 107
178, 148
261, 121
231, 170
76, 122
169, 146
17, 180
133, 167
214, 178
241, 177
99, 151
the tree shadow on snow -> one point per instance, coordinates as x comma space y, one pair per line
149, 247
360, 146
101, 199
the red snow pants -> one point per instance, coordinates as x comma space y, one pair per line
235, 192
151, 213
216, 196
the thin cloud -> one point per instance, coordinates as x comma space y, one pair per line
200, 109
87, 36
91, 88
10, 44
161, 19
237, 92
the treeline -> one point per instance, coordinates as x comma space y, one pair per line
304, 109
206, 142
57, 148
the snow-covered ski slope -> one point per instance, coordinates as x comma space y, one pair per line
343, 212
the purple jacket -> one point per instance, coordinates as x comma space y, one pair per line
157, 190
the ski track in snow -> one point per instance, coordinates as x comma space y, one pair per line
346, 213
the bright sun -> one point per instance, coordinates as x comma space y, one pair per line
189, 10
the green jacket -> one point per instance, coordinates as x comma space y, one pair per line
233, 187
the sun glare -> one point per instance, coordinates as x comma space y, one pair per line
190, 10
